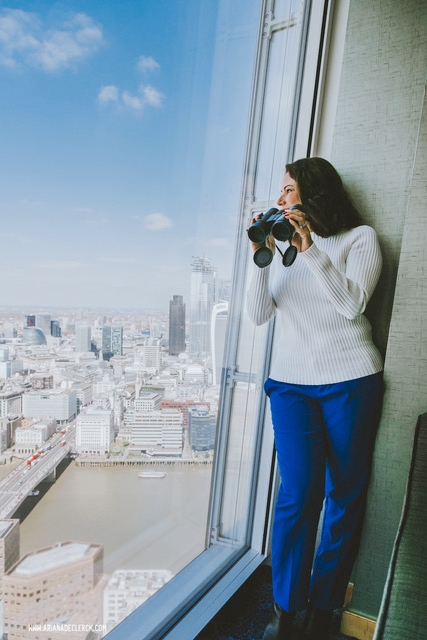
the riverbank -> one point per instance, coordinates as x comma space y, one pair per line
139, 462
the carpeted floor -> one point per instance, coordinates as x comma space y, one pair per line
245, 616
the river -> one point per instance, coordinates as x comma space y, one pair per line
143, 523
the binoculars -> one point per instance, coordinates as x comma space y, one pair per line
273, 222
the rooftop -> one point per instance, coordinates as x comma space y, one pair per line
54, 557
5, 525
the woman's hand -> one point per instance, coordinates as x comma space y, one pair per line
301, 238
269, 242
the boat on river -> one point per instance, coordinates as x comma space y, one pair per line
151, 474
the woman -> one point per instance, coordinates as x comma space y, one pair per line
325, 389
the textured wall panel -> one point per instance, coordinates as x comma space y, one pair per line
380, 148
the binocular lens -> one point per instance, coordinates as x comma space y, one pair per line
289, 256
282, 230
256, 234
263, 257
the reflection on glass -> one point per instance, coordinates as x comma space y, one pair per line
112, 340
239, 464
283, 8
244, 424
279, 98
275, 101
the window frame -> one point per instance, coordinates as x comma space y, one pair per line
184, 606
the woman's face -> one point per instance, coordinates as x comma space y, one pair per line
290, 193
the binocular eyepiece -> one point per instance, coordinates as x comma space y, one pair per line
273, 222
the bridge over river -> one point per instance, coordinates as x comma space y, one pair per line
19, 483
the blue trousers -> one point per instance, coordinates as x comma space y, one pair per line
324, 436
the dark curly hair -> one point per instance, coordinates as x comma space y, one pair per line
323, 196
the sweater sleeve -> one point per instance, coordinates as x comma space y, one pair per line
259, 301
349, 291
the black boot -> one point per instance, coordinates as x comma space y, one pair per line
280, 626
317, 624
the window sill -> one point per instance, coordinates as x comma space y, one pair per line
185, 605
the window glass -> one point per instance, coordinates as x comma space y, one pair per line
285, 7
239, 465
136, 137
275, 101
123, 130
279, 98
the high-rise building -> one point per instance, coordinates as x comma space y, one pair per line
176, 326
29, 439
55, 329
201, 302
94, 431
58, 403
112, 341
84, 391
4, 438
83, 337
201, 428
159, 432
183, 406
7, 369
151, 356
43, 322
148, 402
127, 589
30, 321
62, 583
222, 290
9, 547
11, 403
9, 332
33, 336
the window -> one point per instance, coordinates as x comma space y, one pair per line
286, 72
172, 131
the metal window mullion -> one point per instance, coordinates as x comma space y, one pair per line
312, 79
237, 297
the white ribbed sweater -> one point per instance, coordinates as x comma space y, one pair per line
320, 299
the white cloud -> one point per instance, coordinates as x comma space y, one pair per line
25, 40
157, 222
147, 63
133, 102
147, 96
151, 96
109, 93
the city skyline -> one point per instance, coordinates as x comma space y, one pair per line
30, 313
133, 410
119, 159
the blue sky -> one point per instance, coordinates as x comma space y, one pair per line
122, 130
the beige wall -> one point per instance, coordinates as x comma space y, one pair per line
380, 148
